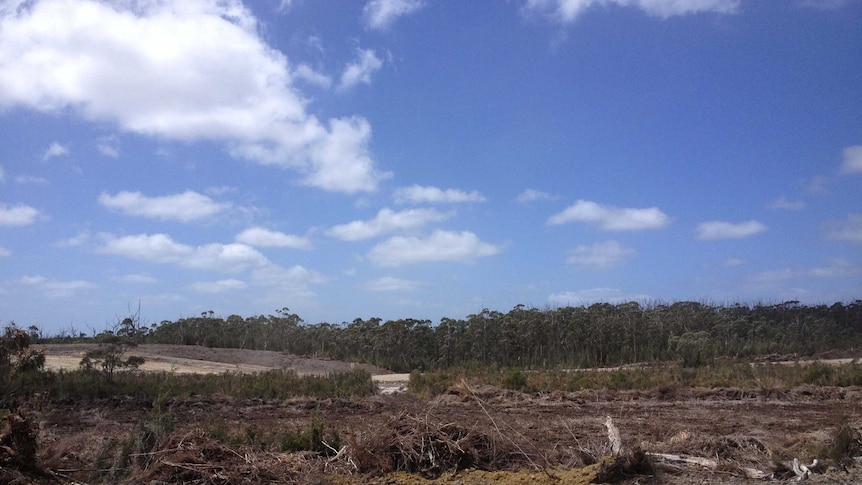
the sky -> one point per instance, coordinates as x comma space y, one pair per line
424, 158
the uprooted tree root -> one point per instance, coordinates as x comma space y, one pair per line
19, 442
424, 446
622, 467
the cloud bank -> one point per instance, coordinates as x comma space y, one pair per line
192, 70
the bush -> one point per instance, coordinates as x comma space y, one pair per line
515, 379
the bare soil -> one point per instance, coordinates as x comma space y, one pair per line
496, 436
203, 360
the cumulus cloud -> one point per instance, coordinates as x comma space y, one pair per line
161, 249
786, 204
387, 221
54, 288
190, 70
56, 149
18, 215
566, 11
360, 70
4, 252
611, 218
380, 14
531, 195
600, 255
851, 160
262, 237
849, 229
390, 284
220, 286
417, 194
464, 247
713, 230
186, 207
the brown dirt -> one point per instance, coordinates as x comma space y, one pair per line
504, 436
202, 360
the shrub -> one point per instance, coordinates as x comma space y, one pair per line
515, 379
108, 357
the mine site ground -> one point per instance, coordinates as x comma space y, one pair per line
545, 437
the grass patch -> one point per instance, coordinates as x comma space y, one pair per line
659, 377
274, 384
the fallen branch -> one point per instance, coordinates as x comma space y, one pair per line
707, 463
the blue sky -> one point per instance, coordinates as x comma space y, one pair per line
422, 158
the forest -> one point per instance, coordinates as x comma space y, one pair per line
598, 335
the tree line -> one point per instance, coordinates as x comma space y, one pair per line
597, 335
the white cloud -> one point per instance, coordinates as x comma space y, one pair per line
852, 160
30, 180
825, 4
190, 70
391, 284
220, 286
108, 146
731, 262
137, 278
19, 215
53, 288
836, 268
611, 218
360, 71
287, 283
593, 295
185, 207
786, 204
380, 14
566, 11
274, 275
818, 184
530, 195
417, 194
599, 255
309, 75
262, 237
710, 231
440, 246
56, 149
161, 249
4, 253
387, 221
849, 229
77, 240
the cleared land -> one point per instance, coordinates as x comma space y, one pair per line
223, 440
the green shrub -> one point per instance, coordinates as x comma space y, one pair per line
817, 373
515, 379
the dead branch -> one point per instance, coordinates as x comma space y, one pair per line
614, 437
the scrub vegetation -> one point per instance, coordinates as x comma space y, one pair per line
516, 397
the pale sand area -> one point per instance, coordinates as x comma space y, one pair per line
164, 358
